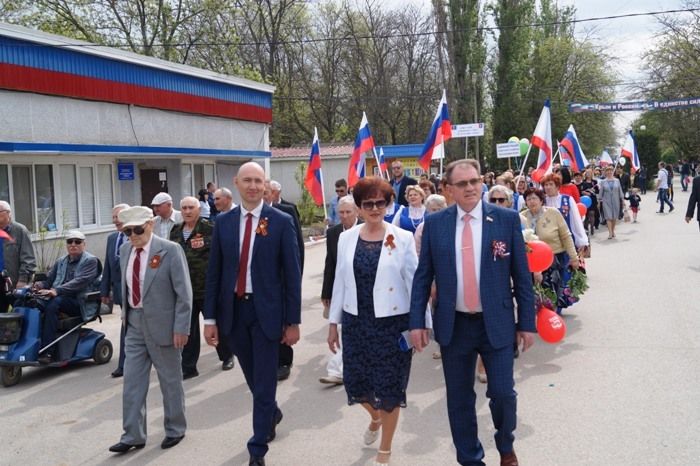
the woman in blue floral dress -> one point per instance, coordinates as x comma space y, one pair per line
371, 298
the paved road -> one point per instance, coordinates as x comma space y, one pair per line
622, 389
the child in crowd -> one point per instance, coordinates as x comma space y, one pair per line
634, 199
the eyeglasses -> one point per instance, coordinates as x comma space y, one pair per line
474, 182
500, 200
136, 230
74, 241
370, 205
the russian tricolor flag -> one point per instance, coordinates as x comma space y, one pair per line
440, 132
570, 150
542, 139
363, 143
383, 169
629, 150
314, 177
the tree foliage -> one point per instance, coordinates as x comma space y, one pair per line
332, 60
673, 67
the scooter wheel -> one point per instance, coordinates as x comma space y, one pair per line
103, 351
10, 375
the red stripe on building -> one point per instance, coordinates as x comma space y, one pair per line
24, 78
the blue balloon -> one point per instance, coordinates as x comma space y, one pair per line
585, 200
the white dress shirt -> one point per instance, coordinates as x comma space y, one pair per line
477, 229
241, 234
142, 272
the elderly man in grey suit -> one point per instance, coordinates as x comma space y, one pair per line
157, 305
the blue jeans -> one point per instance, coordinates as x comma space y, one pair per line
663, 198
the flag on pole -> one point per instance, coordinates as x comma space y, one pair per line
383, 169
542, 139
605, 159
570, 150
629, 150
363, 143
440, 132
314, 180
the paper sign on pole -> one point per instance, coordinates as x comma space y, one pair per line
468, 130
508, 150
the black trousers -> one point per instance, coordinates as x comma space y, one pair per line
190, 353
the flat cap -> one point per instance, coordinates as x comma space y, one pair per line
161, 198
135, 216
75, 234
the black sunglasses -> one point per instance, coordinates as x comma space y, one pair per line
137, 230
500, 200
74, 241
370, 205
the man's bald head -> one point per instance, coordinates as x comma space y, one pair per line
250, 182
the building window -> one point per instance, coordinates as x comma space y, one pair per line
69, 196
22, 199
87, 196
4, 184
46, 204
187, 178
105, 200
195, 176
58, 197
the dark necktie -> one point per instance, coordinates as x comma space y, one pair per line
120, 241
136, 279
243, 263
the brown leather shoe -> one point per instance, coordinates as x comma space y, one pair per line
509, 459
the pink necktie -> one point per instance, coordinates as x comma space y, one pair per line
471, 290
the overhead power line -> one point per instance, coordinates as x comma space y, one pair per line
393, 35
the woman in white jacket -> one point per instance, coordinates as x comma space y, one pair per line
371, 298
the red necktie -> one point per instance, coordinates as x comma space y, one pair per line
243, 263
136, 279
471, 291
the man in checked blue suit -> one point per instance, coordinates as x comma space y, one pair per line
475, 253
253, 296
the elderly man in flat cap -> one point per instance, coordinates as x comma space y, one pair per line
156, 308
166, 216
70, 277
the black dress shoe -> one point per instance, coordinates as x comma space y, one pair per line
124, 447
189, 375
256, 461
169, 442
275, 420
228, 364
283, 372
118, 372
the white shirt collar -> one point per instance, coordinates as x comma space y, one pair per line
475, 213
256, 212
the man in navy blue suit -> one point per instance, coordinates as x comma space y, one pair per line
112, 277
475, 253
254, 248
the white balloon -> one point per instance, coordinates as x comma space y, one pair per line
623, 161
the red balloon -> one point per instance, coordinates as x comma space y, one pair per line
539, 256
582, 209
550, 326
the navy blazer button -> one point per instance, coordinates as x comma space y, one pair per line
391, 289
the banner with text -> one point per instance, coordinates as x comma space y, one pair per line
637, 106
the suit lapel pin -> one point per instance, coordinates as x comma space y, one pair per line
489, 219
155, 262
389, 243
262, 227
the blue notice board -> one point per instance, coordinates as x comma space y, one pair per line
126, 171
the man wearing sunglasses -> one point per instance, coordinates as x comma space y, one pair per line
341, 190
70, 277
157, 306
